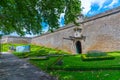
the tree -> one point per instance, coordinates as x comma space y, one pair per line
26, 16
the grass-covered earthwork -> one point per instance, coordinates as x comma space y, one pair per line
72, 67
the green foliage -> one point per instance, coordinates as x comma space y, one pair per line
26, 16
21, 55
79, 64
95, 53
58, 61
63, 52
40, 58
43, 51
87, 75
5, 47
85, 57
36, 51
53, 52
74, 68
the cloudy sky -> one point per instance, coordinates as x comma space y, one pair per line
92, 7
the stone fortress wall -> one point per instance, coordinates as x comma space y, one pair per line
102, 32
15, 39
55, 39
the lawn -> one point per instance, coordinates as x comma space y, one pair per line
88, 75
5, 47
72, 66
35, 50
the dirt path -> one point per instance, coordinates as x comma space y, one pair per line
12, 68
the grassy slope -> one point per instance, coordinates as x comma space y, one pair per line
84, 72
35, 50
5, 47
82, 68
77, 63
88, 75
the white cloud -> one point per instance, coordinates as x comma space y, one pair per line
62, 15
112, 3
28, 35
86, 4
99, 2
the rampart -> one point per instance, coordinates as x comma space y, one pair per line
15, 39
101, 32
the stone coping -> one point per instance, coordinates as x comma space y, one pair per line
16, 37
101, 15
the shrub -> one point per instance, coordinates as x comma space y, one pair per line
84, 57
43, 51
37, 53
95, 53
21, 54
63, 52
53, 52
40, 58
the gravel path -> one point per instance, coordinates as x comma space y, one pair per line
12, 68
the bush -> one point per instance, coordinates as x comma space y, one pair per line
40, 58
63, 52
36, 51
43, 51
84, 57
95, 53
21, 55
53, 52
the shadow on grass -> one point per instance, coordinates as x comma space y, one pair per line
85, 68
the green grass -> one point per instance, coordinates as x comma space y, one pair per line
34, 52
78, 64
5, 47
74, 68
93, 58
87, 75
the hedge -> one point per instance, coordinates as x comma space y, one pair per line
84, 57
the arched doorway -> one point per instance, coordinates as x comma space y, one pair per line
78, 47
